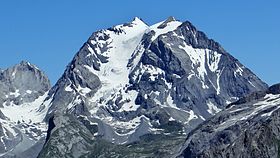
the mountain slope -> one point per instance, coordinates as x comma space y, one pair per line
247, 128
133, 80
23, 89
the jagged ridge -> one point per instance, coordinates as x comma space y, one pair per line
247, 128
132, 80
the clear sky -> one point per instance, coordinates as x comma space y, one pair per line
49, 33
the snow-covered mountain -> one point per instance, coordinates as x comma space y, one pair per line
246, 128
23, 89
134, 84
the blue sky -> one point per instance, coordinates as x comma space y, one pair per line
49, 33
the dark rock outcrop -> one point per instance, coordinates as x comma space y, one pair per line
248, 128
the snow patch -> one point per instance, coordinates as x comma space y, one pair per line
25, 112
15, 94
28, 91
213, 59
197, 56
192, 116
170, 26
114, 74
239, 71
212, 108
131, 106
74, 103
68, 88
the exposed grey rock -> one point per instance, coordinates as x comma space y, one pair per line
130, 81
2, 116
248, 128
21, 84
275, 89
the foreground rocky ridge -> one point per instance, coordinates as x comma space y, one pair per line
132, 82
246, 128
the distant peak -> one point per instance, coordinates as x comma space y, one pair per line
137, 20
27, 64
24, 63
168, 20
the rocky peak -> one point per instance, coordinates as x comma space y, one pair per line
123, 28
21, 83
137, 20
197, 38
168, 20
132, 80
22, 89
25, 63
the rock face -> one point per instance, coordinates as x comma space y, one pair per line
247, 128
22, 83
139, 83
23, 88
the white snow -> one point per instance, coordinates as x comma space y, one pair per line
14, 73
197, 56
22, 122
170, 102
192, 116
202, 118
114, 73
251, 83
83, 91
28, 91
213, 59
125, 45
270, 113
68, 88
218, 88
171, 119
9, 128
239, 71
131, 106
122, 46
201, 57
268, 102
171, 26
153, 71
75, 102
191, 75
137, 54
16, 93
130, 125
26, 111
212, 108
90, 68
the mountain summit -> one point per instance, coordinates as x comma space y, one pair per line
133, 84
23, 89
